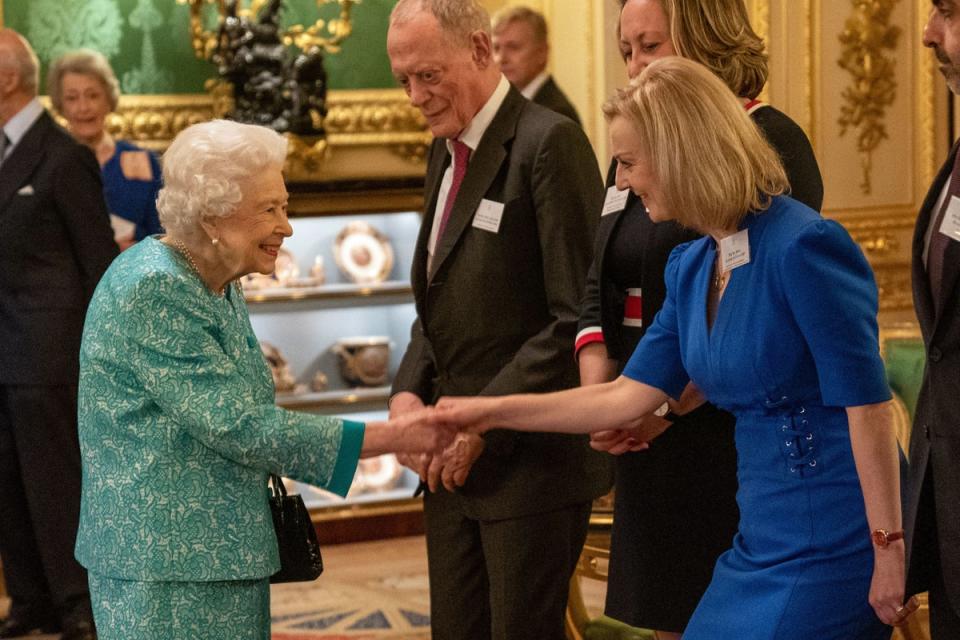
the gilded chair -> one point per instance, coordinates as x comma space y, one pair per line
593, 566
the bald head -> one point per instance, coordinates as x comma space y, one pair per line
17, 58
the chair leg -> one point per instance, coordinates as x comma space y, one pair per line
918, 624
576, 617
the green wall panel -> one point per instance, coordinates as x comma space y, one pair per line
148, 41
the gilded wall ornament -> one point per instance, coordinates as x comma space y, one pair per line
866, 39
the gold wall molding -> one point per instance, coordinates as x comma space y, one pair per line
895, 285
926, 75
883, 235
886, 237
371, 133
812, 63
866, 39
760, 21
152, 121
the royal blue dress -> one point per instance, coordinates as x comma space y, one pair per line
794, 342
131, 199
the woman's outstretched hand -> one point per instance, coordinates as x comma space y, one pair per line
468, 414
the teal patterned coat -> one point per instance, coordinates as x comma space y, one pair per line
179, 430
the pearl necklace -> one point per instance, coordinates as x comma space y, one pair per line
189, 256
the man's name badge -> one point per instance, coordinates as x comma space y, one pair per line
950, 226
615, 201
734, 251
488, 216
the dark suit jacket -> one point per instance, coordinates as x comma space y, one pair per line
551, 97
498, 313
936, 426
55, 243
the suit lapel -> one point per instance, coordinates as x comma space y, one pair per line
547, 91
484, 166
922, 296
438, 160
21, 162
951, 273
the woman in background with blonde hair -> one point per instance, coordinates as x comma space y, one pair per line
773, 316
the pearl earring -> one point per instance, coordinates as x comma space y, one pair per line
214, 240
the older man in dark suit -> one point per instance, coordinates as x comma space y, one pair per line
932, 496
513, 194
521, 48
55, 243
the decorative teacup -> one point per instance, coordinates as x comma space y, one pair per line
364, 360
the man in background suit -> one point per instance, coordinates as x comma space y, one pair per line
512, 191
521, 48
55, 243
932, 495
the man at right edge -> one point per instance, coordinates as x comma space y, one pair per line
932, 495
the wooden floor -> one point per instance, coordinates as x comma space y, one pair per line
368, 590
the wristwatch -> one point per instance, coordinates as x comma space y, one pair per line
882, 538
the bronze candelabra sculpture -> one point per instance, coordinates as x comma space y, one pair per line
273, 77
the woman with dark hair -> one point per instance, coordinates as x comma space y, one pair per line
675, 509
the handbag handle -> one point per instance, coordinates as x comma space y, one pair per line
277, 490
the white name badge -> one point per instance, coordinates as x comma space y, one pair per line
734, 251
488, 216
615, 201
950, 226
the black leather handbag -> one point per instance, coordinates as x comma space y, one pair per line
300, 559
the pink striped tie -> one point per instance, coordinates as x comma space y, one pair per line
461, 156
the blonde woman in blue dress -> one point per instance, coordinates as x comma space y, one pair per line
773, 316
178, 425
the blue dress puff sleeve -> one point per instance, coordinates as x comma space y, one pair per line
832, 294
657, 359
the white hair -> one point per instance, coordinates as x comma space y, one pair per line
84, 62
458, 19
205, 165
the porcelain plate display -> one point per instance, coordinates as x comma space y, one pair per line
363, 253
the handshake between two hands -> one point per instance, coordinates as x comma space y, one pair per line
442, 442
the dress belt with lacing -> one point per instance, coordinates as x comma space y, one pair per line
797, 441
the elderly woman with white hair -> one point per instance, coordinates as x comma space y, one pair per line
178, 425
84, 90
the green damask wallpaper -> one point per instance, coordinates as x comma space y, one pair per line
148, 41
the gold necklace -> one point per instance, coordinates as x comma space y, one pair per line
189, 256
719, 278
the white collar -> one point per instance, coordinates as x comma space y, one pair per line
472, 135
534, 85
18, 125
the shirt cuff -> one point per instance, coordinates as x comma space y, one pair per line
587, 336
347, 458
